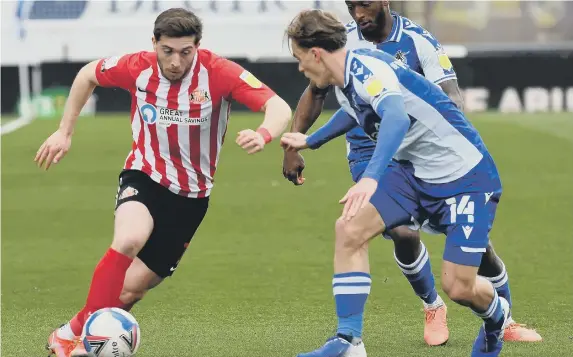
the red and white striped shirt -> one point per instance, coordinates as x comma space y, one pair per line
178, 128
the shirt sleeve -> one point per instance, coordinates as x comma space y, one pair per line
241, 85
119, 71
339, 124
433, 59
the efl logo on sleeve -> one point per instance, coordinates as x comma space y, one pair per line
251, 80
444, 60
373, 86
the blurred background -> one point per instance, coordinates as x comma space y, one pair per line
510, 56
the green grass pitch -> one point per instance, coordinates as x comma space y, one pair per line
256, 281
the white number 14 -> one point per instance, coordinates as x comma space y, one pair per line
465, 206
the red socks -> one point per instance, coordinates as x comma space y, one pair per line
105, 288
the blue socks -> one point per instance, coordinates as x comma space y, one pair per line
501, 285
350, 293
493, 314
420, 276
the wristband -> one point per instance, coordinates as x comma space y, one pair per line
266, 135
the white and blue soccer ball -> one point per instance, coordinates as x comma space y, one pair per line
111, 332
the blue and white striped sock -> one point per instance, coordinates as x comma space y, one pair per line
350, 293
420, 276
501, 285
494, 312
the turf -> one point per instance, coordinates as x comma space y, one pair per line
256, 281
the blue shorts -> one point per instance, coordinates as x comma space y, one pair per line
463, 210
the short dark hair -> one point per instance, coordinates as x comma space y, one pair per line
178, 22
317, 28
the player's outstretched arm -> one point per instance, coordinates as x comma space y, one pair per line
339, 124
277, 115
245, 88
58, 144
307, 111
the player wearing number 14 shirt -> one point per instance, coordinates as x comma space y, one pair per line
179, 112
443, 174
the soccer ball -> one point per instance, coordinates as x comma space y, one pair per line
111, 332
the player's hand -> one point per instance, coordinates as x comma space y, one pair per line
53, 149
358, 197
294, 141
293, 164
251, 141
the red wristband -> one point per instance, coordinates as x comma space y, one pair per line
266, 135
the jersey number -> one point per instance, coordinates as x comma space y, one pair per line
465, 206
374, 134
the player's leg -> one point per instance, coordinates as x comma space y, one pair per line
351, 282
413, 260
467, 223
133, 225
139, 279
493, 269
462, 284
176, 220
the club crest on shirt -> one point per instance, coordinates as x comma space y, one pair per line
401, 56
199, 96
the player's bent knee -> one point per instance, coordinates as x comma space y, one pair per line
459, 281
131, 297
460, 292
348, 236
351, 235
355, 233
129, 244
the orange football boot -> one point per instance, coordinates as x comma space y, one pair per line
515, 332
60, 347
436, 331
79, 351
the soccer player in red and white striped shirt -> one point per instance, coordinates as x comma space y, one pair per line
180, 108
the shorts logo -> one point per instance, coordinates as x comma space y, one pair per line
128, 192
199, 96
148, 113
467, 231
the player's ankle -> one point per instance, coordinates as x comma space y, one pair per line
437, 303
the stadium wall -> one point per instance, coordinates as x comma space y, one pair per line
526, 82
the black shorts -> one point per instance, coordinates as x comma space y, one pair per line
175, 219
